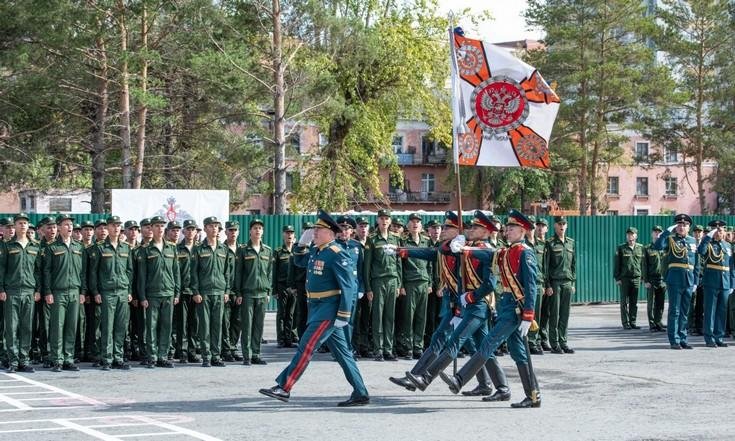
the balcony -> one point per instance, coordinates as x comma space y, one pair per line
420, 197
404, 158
415, 159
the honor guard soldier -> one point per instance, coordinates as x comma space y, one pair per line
718, 279
560, 276
627, 274
681, 277
185, 315
285, 296
210, 285
383, 278
64, 281
253, 284
158, 291
20, 287
652, 273
330, 285
516, 266
111, 285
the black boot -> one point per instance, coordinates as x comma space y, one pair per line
426, 359
422, 381
483, 387
469, 370
530, 387
497, 375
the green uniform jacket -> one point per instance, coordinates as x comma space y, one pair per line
379, 265
110, 269
210, 269
231, 255
559, 261
18, 271
651, 266
253, 271
628, 261
64, 268
296, 274
158, 271
185, 261
416, 270
433, 268
539, 246
280, 269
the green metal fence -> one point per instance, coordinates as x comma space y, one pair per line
596, 238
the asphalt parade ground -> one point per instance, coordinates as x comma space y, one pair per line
620, 385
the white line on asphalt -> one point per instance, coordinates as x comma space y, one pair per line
135, 435
82, 398
19, 405
86, 430
32, 393
178, 429
45, 408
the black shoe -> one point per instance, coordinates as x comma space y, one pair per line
150, 364
56, 368
206, 363
70, 367
557, 350
408, 357
280, 345
711, 345
97, 364
263, 341
378, 358
47, 364
257, 360
237, 357
479, 391
105, 367
526, 403
355, 401
277, 393
545, 346
417, 354
417, 380
685, 345
389, 357
25, 368
499, 353
246, 362
228, 357
194, 358
535, 350
676, 347
635, 327
11, 370
451, 381
403, 382
653, 328
498, 396
626, 327
218, 363
166, 364
661, 326
183, 361
323, 349
120, 365
567, 349
721, 344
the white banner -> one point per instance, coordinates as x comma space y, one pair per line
172, 205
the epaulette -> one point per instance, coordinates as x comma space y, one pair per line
99, 242
390, 233
335, 248
242, 245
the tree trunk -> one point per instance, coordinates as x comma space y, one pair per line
142, 107
124, 100
279, 136
98, 138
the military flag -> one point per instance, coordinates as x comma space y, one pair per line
502, 109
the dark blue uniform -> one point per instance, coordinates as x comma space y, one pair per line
718, 279
354, 249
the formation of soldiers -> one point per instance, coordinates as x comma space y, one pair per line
697, 271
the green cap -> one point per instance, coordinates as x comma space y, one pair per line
156, 220
62, 217
307, 225
173, 224
414, 216
532, 218
633, 230
114, 220
131, 224
432, 223
191, 223
657, 228
256, 221
232, 225
5, 221
77, 227
145, 222
397, 221
560, 219
87, 224
99, 222
361, 220
699, 228
383, 212
542, 221
31, 226
289, 229
211, 220
20, 216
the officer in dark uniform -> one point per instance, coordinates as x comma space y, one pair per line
696, 309
285, 296
331, 292
652, 273
718, 279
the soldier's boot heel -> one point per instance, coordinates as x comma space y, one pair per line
497, 376
438, 365
530, 387
483, 387
469, 370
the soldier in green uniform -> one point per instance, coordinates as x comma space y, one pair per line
361, 320
185, 315
536, 240
231, 319
92, 309
416, 289
137, 312
397, 227
83, 348
210, 285
560, 276
285, 296
131, 232
64, 281
383, 281
172, 235
253, 284
42, 311
653, 279
20, 286
158, 280
8, 231
110, 283
627, 274
433, 302
297, 280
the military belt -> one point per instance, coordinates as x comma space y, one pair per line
324, 294
718, 267
681, 265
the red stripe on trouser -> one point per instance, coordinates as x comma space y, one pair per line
305, 356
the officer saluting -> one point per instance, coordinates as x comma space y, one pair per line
329, 283
718, 279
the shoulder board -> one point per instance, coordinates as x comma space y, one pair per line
394, 234
242, 245
335, 248
266, 247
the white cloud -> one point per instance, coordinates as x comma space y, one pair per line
507, 23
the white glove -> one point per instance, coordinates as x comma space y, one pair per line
455, 322
671, 228
306, 237
463, 299
360, 295
711, 234
729, 292
694, 288
524, 327
457, 243
390, 249
340, 323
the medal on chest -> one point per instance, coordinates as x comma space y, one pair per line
318, 267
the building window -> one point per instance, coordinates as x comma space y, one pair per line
323, 140
672, 186
641, 186
292, 181
23, 204
295, 142
398, 144
612, 212
32, 202
641, 212
59, 204
427, 182
670, 156
641, 151
613, 185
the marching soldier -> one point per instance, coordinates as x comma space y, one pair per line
110, 283
20, 286
253, 272
231, 318
158, 291
627, 274
718, 279
64, 281
185, 314
560, 276
517, 269
652, 272
330, 289
285, 296
382, 285
297, 280
681, 277
210, 284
